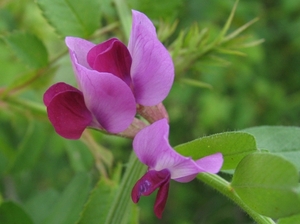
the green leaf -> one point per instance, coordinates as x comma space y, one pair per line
72, 17
125, 16
79, 155
290, 220
279, 140
40, 204
268, 184
12, 213
233, 145
28, 48
30, 148
99, 203
70, 204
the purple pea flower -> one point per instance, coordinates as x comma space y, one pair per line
152, 148
113, 81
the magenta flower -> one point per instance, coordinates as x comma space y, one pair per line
112, 80
164, 163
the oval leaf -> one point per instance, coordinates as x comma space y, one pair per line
233, 145
268, 184
280, 140
72, 17
28, 48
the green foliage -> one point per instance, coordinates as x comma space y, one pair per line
290, 220
28, 154
98, 205
279, 140
12, 213
69, 205
72, 18
28, 48
234, 146
268, 184
245, 87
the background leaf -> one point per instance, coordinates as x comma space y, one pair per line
268, 184
98, 205
233, 145
40, 204
72, 17
12, 213
30, 148
68, 207
28, 48
280, 140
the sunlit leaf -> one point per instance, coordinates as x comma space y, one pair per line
290, 220
72, 17
12, 213
280, 140
268, 184
28, 48
233, 145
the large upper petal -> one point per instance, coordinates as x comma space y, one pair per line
153, 149
66, 110
152, 69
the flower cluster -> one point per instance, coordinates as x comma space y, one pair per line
114, 83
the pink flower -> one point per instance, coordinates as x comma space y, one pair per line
112, 80
164, 163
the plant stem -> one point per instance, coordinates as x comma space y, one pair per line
26, 104
119, 211
224, 187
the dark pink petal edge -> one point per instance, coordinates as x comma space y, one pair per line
66, 110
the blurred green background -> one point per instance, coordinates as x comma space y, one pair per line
259, 89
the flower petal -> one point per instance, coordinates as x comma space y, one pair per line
67, 111
80, 48
212, 163
56, 89
161, 198
148, 184
152, 69
207, 164
108, 98
153, 149
111, 56
151, 142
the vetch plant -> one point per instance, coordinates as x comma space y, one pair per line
120, 91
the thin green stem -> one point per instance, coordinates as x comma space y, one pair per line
33, 106
119, 211
224, 187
